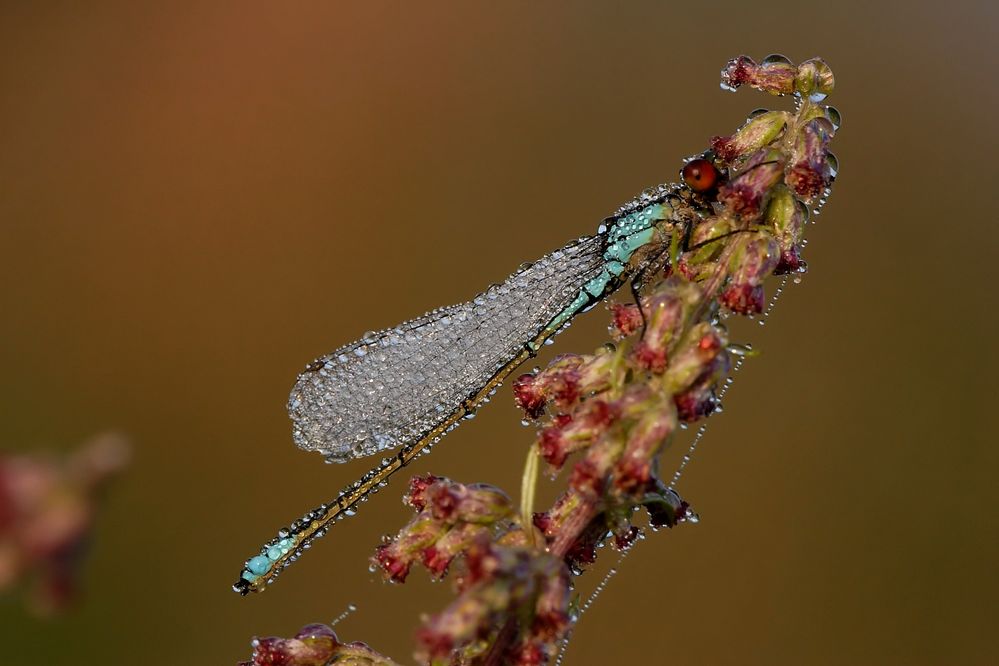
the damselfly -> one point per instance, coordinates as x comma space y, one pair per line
404, 388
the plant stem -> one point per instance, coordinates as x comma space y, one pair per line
528, 486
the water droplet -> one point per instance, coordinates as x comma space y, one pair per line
832, 113
833, 166
775, 58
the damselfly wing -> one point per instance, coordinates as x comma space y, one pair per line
389, 389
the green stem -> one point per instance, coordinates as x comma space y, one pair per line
528, 486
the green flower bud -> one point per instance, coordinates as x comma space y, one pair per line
785, 215
703, 354
758, 132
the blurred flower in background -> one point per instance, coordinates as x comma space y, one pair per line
48, 505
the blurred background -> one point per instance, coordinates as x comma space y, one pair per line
196, 199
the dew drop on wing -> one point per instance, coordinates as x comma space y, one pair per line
378, 392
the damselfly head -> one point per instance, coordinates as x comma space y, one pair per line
700, 175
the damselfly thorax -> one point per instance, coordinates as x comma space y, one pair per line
403, 388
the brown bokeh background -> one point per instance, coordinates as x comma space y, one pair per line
197, 199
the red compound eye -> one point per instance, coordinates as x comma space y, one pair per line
700, 175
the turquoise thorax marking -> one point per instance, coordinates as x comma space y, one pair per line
625, 235
622, 249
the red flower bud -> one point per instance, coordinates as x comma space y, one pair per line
542, 521
646, 438
551, 618
695, 404
701, 358
744, 195
396, 557
790, 262
501, 581
754, 259
438, 557
774, 75
664, 506
417, 488
314, 645
566, 379
809, 173
480, 503
651, 357
528, 654
743, 298
664, 314
589, 477
528, 395
395, 566
568, 434
627, 539
583, 551
434, 644
626, 319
